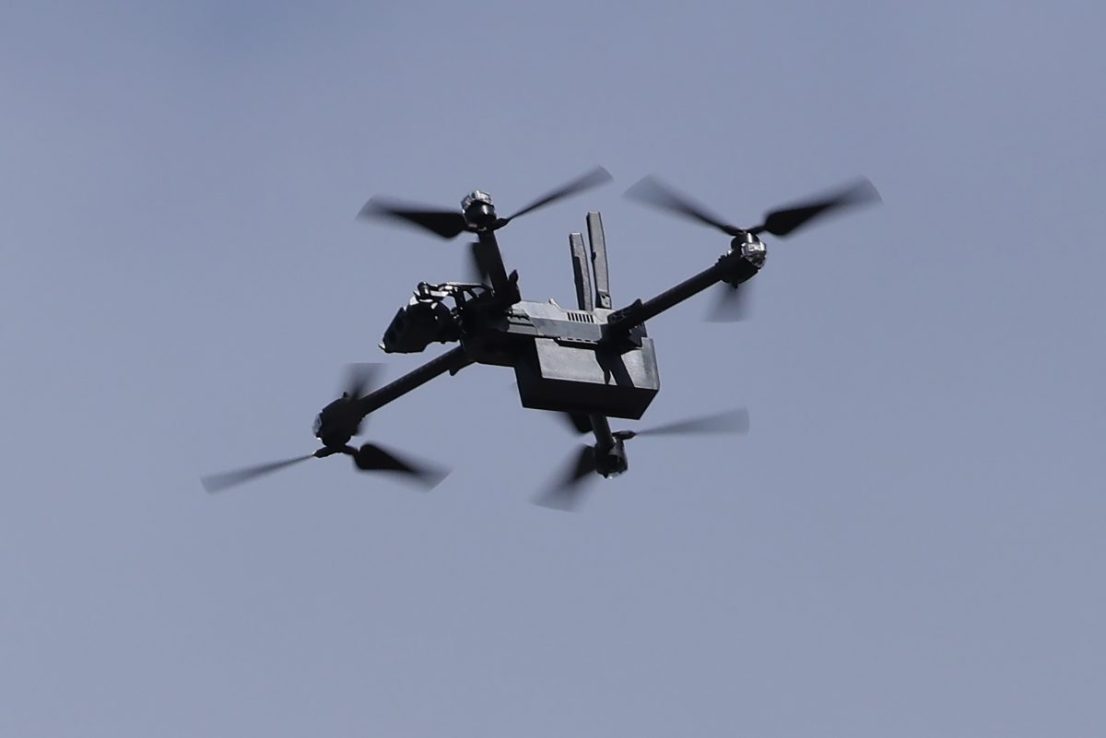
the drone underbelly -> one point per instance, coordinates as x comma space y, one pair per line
576, 377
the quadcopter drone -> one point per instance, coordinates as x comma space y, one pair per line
589, 363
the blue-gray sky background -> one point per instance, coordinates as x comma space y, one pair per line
909, 541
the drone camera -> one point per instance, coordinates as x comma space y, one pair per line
420, 322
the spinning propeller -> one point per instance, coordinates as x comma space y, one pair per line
731, 304
478, 213
567, 489
337, 423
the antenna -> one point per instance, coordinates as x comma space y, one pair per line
599, 260
580, 272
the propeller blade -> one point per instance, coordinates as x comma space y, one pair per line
652, 191
443, 223
730, 421
730, 305
594, 178
578, 422
567, 490
218, 482
372, 457
361, 379
785, 221
478, 271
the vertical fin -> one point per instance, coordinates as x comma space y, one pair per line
599, 260
581, 273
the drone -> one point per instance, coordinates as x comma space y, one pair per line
589, 363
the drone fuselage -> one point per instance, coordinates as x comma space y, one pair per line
561, 358
592, 360
591, 363
563, 361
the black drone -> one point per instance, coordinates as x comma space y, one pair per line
590, 363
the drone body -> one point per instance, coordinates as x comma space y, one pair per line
590, 363
561, 358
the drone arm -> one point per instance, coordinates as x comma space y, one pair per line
601, 428
490, 260
729, 267
451, 361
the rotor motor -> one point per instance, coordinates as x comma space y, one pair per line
478, 210
747, 255
337, 423
611, 462
750, 248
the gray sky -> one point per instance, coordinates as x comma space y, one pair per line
909, 542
